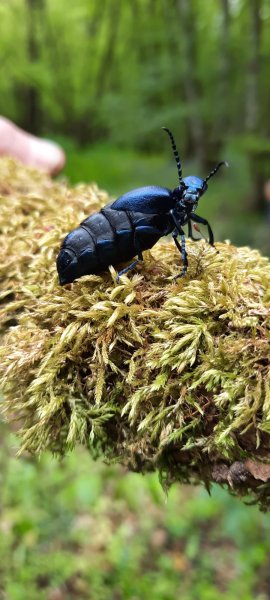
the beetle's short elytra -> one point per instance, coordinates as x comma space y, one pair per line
134, 223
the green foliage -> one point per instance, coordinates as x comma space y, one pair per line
154, 373
78, 529
120, 70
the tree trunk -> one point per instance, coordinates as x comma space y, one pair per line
223, 99
191, 85
253, 68
106, 60
32, 118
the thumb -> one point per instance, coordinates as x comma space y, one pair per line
29, 149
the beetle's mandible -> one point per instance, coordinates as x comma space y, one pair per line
133, 223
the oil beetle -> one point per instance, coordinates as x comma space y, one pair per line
132, 224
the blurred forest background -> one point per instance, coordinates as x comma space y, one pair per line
101, 78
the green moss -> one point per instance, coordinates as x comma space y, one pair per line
151, 372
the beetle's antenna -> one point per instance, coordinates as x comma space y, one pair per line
176, 155
215, 170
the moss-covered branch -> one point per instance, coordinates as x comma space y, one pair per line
154, 373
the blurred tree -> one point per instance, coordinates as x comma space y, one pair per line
192, 87
35, 15
254, 66
117, 71
223, 113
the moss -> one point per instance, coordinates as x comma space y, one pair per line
151, 372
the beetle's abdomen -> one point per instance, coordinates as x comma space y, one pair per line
101, 240
77, 256
134, 229
107, 238
113, 234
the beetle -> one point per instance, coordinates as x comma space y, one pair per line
133, 223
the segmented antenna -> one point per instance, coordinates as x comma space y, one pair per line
223, 162
176, 155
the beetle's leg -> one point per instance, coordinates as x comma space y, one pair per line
182, 249
190, 232
126, 269
203, 221
175, 235
135, 262
137, 246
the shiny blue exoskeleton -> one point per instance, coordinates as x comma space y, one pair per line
134, 223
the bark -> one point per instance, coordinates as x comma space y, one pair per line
224, 70
253, 68
191, 84
109, 50
32, 118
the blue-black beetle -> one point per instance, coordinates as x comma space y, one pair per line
132, 224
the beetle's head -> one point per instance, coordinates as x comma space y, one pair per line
193, 189
190, 188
